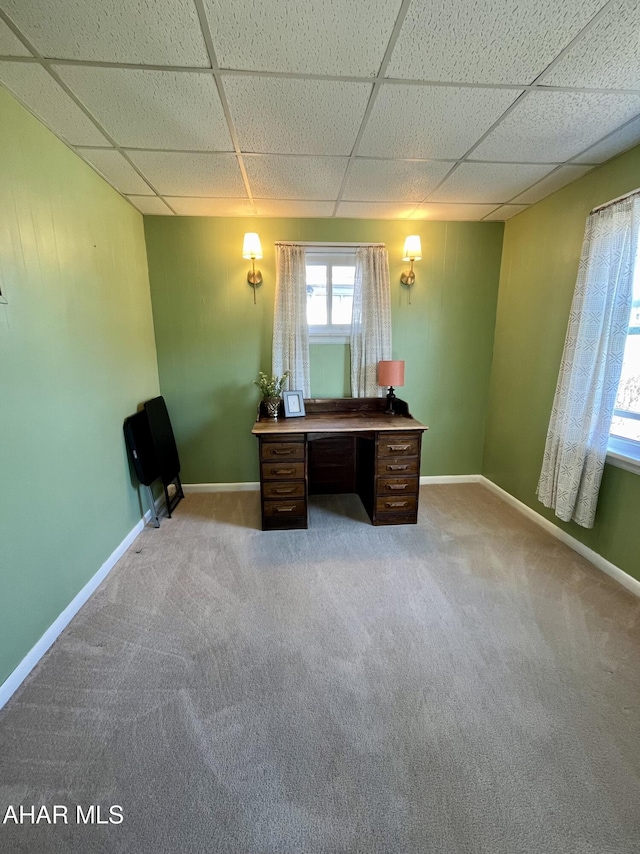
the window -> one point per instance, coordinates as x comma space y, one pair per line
624, 441
330, 277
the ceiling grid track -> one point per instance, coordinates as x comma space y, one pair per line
208, 39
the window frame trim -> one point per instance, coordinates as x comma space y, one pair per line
332, 254
623, 453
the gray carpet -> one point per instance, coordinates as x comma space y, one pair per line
468, 684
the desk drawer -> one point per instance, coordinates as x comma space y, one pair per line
398, 444
285, 508
393, 504
283, 471
397, 486
282, 451
397, 467
395, 519
281, 489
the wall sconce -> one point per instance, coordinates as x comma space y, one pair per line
252, 250
412, 252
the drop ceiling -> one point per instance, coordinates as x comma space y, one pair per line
392, 109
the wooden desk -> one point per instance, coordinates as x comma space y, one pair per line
341, 445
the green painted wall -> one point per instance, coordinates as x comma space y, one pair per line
538, 274
330, 370
76, 356
212, 341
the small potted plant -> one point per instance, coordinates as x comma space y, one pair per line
271, 390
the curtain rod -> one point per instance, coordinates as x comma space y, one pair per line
615, 201
323, 244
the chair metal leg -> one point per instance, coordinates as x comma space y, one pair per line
152, 506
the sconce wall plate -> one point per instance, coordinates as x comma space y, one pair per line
252, 250
408, 277
412, 252
254, 277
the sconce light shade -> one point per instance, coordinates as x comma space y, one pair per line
252, 249
412, 248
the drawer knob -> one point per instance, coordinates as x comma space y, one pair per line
283, 452
397, 486
284, 509
398, 447
398, 468
284, 471
284, 490
396, 503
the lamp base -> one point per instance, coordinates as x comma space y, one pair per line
391, 399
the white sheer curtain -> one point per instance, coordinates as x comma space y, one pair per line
591, 364
290, 332
371, 320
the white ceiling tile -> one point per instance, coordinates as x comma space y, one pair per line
431, 122
298, 133
118, 172
278, 116
615, 144
10, 44
311, 38
555, 126
376, 210
509, 41
452, 212
32, 85
150, 205
282, 177
561, 177
505, 212
161, 32
152, 109
607, 56
393, 180
191, 174
287, 208
488, 182
210, 207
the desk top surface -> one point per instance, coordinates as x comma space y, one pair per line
338, 422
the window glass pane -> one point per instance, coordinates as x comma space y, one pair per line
342, 294
316, 295
624, 424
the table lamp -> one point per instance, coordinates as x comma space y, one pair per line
391, 373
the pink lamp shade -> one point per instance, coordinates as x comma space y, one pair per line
391, 373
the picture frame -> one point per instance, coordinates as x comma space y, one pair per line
293, 404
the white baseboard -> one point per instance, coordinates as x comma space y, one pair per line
254, 486
247, 486
450, 478
15, 679
619, 575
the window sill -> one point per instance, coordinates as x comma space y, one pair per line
624, 454
328, 338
